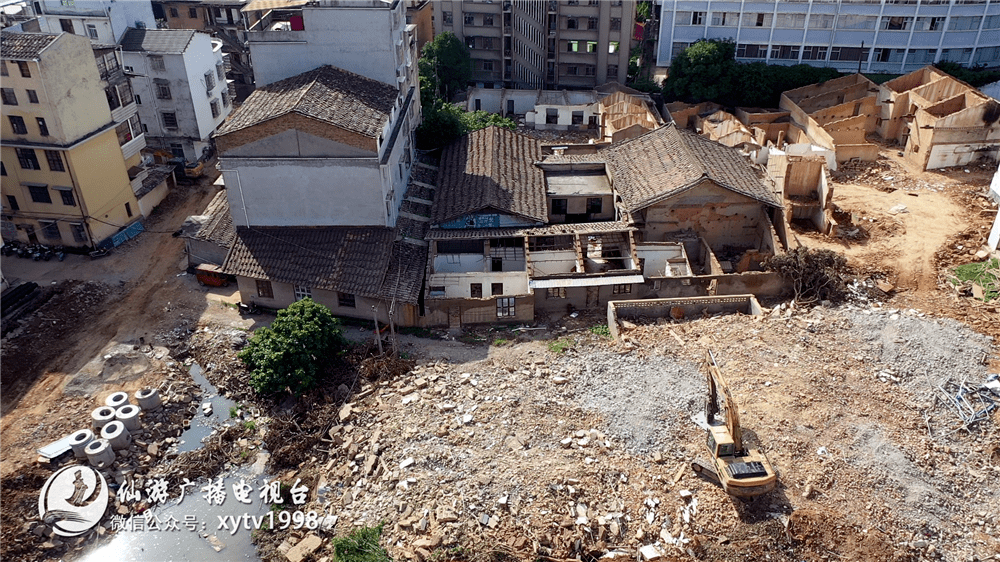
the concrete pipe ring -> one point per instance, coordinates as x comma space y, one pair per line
129, 415
117, 435
117, 400
148, 399
102, 416
100, 453
79, 441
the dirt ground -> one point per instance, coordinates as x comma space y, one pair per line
54, 374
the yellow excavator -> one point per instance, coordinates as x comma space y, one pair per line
743, 472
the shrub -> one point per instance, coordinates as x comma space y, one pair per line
815, 274
294, 350
361, 545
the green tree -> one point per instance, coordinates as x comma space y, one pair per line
445, 68
291, 354
643, 11
445, 122
702, 72
975, 77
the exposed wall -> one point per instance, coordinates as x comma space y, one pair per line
284, 295
259, 191
692, 307
663, 259
458, 285
720, 216
203, 56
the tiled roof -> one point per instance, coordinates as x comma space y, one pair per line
550, 230
665, 161
329, 94
169, 41
349, 259
218, 227
492, 168
24, 46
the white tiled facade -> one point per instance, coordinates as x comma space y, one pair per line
898, 36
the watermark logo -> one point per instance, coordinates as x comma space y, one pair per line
73, 500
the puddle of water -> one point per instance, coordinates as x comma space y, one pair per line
195, 518
201, 425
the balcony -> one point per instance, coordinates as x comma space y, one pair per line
132, 147
459, 285
123, 113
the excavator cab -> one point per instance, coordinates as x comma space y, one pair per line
742, 471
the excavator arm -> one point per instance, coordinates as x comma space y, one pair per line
717, 385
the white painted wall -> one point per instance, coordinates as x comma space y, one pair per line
457, 285
657, 258
325, 192
110, 17
200, 57
553, 261
459, 263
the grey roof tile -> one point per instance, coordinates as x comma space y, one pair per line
165, 41
329, 94
24, 46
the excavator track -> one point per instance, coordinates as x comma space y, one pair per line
706, 471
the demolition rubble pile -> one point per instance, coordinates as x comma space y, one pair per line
574, 448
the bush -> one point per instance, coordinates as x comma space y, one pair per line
290, 355
362, 545
815, 274
445, 122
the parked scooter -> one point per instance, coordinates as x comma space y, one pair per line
60, 253
250, 309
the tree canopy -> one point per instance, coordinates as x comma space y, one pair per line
445, 68
293, 352
445, 122
708, 71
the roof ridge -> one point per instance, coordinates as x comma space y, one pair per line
692, 156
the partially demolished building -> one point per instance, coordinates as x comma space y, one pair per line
938, 121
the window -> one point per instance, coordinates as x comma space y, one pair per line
786, 52
751, 51
3, 169
92, 31
725, 19
991, 22
616, 24
163, 91
572, 46
821, 21
856, 22
138, 99
571, 23
594, 205
12, 201
9, 98
79, 234
215, 108
220, 71
345, 300
177, 149
25, 71
793, 21
964, 23
26, 157
112, 94
303, 293
848, 53
55, 161
896, 23
476, 290
264, 289
470, 42
156, 62
209, 81
621, 289
929, 24
124, 133
32, 96
757, 19
505, 307
193, 13
169, 119
470, 19
572, 70
697, 18
612, 71
17, 123
128, 209
555, 293
173, 13
447, 18
591, 46
591, 23
496, 289
50, 229
66, 25
487, 66
487, 20
3, 68
225, 98
39, 193
437, 291
558, 206
813, 53
67, 197
576, 118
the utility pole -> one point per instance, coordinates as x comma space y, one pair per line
378, 338
861, 56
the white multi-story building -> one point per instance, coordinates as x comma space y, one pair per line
103, 21
893, 36
180, 87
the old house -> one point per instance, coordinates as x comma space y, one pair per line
316, 167
519, 228
208, 236
938, 120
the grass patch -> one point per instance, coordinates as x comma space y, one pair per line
233, 411
985, 274
250, 424
500, 342
601, 330
362, 545
560, 345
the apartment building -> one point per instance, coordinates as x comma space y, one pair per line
102, 21
180, 88
65, 161
892, 36
575, 44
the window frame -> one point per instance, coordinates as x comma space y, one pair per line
346, 300
621, 289
50, 229
264, 289
165, 121
32, 96
302, 292
67, 197
27, 155
40, 194
55, 157
17, 124
163, 92
561, 203
9, 96
506, 307
24, 68
43, 128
